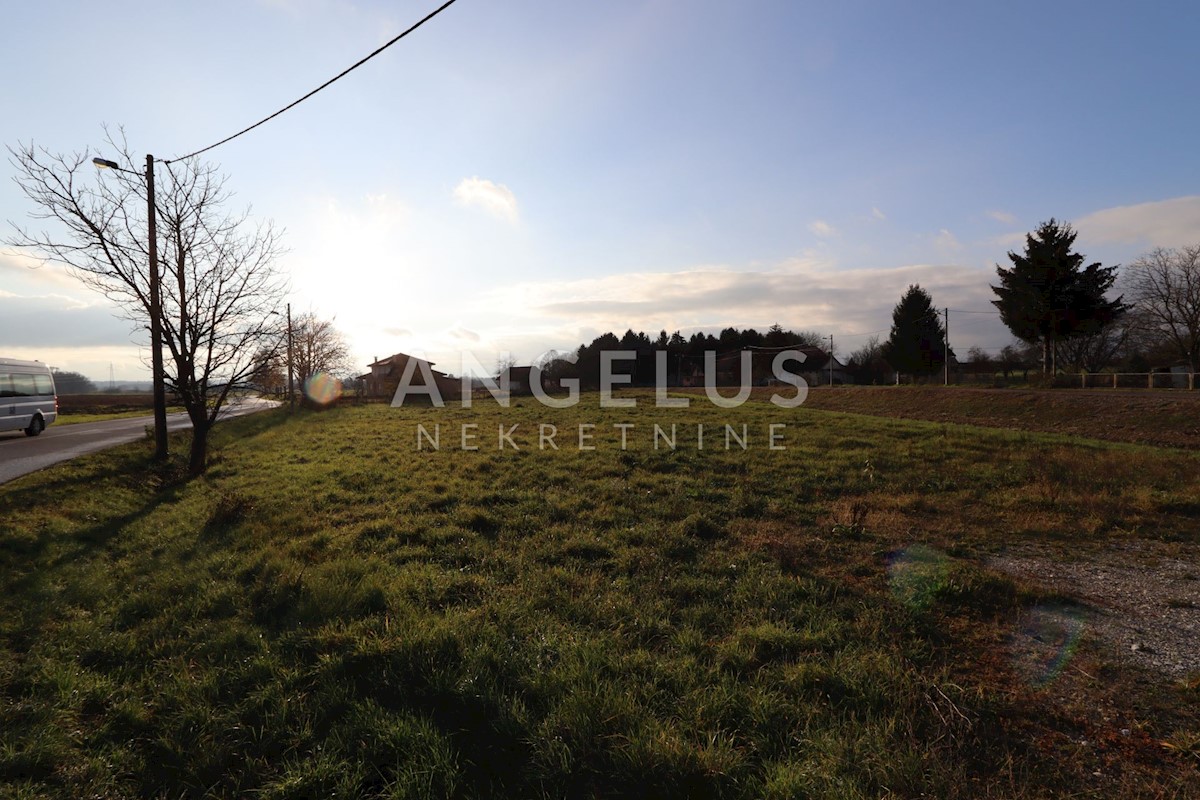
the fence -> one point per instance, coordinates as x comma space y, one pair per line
1187, 381
1137, 380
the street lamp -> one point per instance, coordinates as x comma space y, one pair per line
156, 363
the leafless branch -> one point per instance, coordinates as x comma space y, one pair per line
219, 286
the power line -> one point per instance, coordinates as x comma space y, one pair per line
972, 322
337, 77
963, 311
868, 333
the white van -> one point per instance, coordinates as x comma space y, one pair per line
28, 401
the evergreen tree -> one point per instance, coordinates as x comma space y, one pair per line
917, 341
1049, 295
776, 336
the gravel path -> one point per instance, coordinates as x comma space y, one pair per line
1141, 600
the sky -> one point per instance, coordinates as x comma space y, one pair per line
522, 176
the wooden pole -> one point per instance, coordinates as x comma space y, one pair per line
831, 359
946, 348
291, 386
156, 362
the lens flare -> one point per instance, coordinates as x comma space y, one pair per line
916, 573
322, 388
1046, 642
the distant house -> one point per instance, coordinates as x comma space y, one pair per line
385, 376
518, 380
816, 368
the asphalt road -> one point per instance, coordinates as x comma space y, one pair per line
21, 454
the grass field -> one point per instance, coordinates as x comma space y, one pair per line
333, 611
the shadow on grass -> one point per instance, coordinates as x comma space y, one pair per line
65, 527
251, 425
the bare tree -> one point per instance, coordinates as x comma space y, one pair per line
1164, 285
504, 363
980, 362
269, 373
318, 346
1097, 349
867, 363
218, 284
1016, 356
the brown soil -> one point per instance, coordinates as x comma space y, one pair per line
1161, 417
111, 403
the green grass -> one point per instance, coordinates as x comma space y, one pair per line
332, 611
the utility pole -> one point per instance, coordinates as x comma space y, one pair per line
831, 359
291, 389
946, 347
156, 362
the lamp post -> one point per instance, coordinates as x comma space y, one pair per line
156, 363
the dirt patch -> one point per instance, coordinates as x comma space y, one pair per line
110, 403
1140, 601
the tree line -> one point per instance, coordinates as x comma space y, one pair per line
684, 354
1058, 307
1062, 314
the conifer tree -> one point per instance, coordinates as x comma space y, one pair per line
917, 342
1048, 295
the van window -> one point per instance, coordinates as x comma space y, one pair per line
6, 389
43, 384
22, 383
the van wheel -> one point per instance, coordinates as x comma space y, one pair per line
36, 426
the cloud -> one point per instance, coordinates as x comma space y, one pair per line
401, 332
801, 294
1162, 223
494, 198
54, 320
877, 214
1009, 241
946, 242
1003, 216
127, 362
25, 267
823, 229
809, 292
